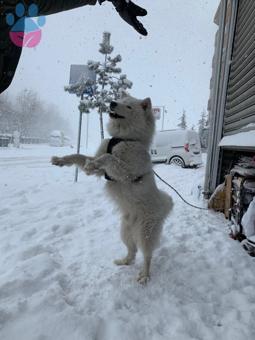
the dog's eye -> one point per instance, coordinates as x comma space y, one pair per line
129, 107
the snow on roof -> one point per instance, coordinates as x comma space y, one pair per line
241, 139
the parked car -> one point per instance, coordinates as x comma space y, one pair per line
57, 138
5, 140
181, 147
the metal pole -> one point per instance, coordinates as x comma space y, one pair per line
163, 118
100, 109
79, 142
87, 132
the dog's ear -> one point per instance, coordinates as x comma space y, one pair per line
146, 104
147, 107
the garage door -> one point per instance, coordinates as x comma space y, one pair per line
240, 101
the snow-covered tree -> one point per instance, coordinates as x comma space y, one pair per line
108, 86
28, 105
203, 129
7, 115
30, 116
183, 120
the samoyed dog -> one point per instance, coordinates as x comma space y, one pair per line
124, 161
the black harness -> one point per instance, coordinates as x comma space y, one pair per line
114, 141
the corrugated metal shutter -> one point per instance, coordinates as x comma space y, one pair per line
240, 101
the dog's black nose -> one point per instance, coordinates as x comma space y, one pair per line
113, 105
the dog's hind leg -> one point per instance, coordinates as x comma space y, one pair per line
149, 238
144, 274
126, 236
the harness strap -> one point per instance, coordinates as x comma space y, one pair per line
114, 141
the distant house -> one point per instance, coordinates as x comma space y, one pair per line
232, 102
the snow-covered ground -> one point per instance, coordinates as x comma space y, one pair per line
58, 241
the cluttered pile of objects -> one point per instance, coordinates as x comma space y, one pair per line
236, 199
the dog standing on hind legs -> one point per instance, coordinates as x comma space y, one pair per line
125, 162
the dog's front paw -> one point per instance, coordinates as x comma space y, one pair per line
58, 161
91, 168
123, 262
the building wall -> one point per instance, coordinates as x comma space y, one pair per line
240, 98
232, 99
216, 41
224, 20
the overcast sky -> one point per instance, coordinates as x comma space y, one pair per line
172, 65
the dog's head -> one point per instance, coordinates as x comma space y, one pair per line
132, 118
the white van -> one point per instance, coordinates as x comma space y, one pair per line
181, 147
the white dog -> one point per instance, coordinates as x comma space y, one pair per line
125, 162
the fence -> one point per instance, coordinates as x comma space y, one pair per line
6, 139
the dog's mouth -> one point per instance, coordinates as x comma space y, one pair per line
115, 115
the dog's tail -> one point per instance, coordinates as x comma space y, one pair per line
167, 203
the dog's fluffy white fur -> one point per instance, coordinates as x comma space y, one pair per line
142, 205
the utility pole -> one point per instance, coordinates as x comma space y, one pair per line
87, 132
163, 117
79, 141
102, 89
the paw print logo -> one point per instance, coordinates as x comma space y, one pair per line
25, 32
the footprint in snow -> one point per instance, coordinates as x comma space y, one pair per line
55, 228
28, 234
5, 211
34, 251
97, 213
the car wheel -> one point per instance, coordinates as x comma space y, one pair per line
177, 161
